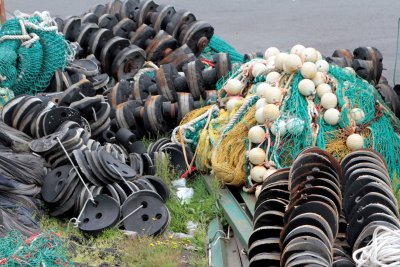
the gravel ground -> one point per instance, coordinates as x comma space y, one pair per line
254, 25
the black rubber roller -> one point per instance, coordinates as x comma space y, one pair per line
125, 137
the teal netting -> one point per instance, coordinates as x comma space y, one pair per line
31, 51
45, 249
218, 45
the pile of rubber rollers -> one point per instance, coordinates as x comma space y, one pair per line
137, 69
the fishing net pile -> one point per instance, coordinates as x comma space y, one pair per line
45, 249
31, 51
270, 109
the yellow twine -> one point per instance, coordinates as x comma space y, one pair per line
229, 157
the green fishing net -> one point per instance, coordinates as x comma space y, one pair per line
44, 249
31, 50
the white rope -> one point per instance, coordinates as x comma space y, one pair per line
75, 221
34, 38
76, 169
123, 219
383, 250
189, 125
41, 28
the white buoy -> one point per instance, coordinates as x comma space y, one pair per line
258, 69
258, 191
256, 134
271, 51
262, 89
273, 77
273, 95
257, 156
329, 100
257, 173
234, 86
354, 142
323, 88
297, 49
270, 64
295, 126
357, 115
269, 172
308, 70
278, 127
332, 116
271, 112
292, 64
233, 102
306, 87
260, 118
319, 78
322, 66
261, 103
280, 59
309, 55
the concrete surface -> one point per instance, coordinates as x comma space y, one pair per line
254, 25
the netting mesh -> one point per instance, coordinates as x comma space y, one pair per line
45, 249
31, 51
218, 45
223, 144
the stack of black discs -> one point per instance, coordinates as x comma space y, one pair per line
264, 247
312, 217
368, 200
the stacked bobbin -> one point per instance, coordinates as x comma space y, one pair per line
368, 199
268, 222
312, 217
122, 34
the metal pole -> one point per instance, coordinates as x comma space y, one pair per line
2, 12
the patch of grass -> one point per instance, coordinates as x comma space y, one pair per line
114, 248
201, 209
154, 252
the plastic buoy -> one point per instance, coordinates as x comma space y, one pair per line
332, 116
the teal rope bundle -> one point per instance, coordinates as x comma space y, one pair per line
31, 50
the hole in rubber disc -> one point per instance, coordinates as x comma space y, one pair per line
158, 216
86, 220
144, 204
360, 219
99, 215
58, 174
145, 217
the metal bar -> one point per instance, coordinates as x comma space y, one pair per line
233, 212
250, 201
216, 245
2, 12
